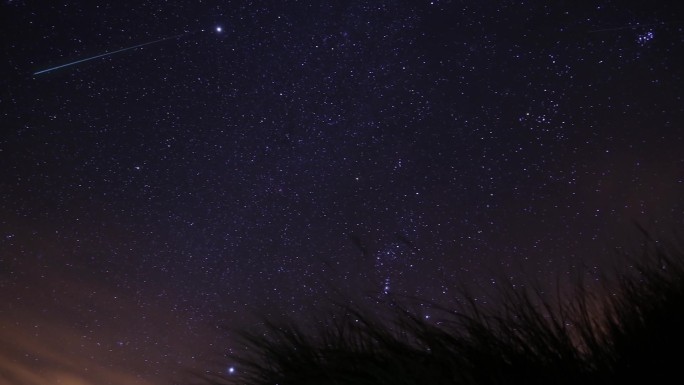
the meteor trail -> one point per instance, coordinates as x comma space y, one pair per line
109, 53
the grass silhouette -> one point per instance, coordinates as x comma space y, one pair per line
632, 334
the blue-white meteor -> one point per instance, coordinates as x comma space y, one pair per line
109, 53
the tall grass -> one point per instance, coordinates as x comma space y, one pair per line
632, 333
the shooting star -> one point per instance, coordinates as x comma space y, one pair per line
110, 53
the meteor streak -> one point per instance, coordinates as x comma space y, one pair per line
109, 53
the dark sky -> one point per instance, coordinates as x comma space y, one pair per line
363, 147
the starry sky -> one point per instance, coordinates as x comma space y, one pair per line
311, 148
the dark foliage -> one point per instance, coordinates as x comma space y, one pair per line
633, 332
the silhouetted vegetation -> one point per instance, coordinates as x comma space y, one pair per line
632, 332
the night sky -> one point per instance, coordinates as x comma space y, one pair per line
397, 148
